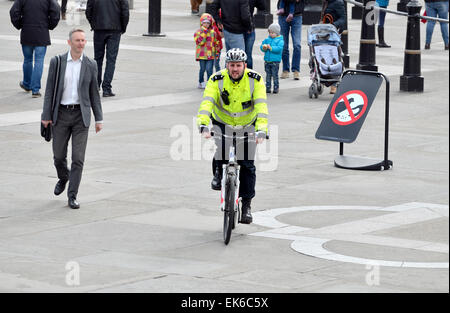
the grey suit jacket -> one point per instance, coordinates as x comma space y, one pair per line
87, 91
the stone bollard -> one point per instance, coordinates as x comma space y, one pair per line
265, 18
411, 79
154, 19
344, 38
367, 41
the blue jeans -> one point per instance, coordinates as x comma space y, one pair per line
205, 65
234, 40
32, 74
295, 27
272, 69
435, 9
249, 40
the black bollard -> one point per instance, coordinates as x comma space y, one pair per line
265, 18
357, 11
311, 12
401, 6
367, 41
344, 38
411, 79
154, 19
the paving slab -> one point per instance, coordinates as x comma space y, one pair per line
149, 221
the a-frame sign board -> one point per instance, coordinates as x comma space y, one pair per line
347, 113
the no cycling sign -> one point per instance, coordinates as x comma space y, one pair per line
349, 108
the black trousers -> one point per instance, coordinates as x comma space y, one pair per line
70, 125
108, 41
63, 6
245, 154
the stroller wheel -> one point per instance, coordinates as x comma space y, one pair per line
312, 91
320, 89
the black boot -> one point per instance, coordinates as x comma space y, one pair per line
381, 42
246, 217
216, 183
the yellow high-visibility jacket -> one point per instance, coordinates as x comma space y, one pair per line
247, 101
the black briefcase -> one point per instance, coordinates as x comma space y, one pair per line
46, 132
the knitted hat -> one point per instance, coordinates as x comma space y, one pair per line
275, 28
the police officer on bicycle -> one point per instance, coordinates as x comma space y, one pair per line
235, 98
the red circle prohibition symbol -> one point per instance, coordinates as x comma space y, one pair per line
352, 106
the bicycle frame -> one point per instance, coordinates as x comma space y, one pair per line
230, 172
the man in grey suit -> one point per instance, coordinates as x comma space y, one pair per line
76, 95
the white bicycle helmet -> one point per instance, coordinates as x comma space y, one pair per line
236, 55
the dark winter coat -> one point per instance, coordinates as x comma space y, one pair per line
299, 7
35, 18
258, 4
336, 8
110, 15
236, 17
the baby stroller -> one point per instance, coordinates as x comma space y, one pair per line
326, 62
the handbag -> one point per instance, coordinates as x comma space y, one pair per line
46, 132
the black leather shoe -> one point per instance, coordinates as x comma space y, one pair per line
108, 93
73, 204
60, 186
246, 217
427, 46
275, 90
216, 183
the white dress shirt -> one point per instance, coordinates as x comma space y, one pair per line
71, 80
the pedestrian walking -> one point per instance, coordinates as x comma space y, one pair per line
34, 19
272, 47
381, 18
249, 37
294, 27
207, 43
235, 21
108, 20
76, 95
436, 8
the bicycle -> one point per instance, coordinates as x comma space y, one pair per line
230, 200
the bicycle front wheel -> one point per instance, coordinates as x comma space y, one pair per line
228, 216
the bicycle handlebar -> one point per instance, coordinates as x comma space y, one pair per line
237, 137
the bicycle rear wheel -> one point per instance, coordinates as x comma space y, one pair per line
228, 216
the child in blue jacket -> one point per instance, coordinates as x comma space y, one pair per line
272, 47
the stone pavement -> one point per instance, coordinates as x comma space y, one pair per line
150, 223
